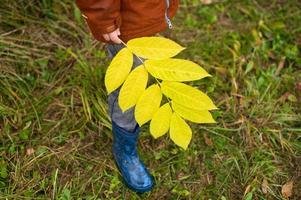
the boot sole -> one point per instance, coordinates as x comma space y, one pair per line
137, 190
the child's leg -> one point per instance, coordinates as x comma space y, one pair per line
125, 120
125, 136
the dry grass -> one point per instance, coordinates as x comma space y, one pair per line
55, 133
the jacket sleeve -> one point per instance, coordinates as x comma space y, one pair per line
103, 16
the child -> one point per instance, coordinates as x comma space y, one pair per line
111, 21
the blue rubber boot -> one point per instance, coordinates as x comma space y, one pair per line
132, 169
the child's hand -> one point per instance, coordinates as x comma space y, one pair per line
113, 36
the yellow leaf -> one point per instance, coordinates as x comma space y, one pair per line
132, 88
159, 124
197, 116
180, 132
148, 104
186, 95
175, 70
154, 47
118, 70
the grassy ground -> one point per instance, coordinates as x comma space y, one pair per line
55, 133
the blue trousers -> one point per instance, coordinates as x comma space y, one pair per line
125, 119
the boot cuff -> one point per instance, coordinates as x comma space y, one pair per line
122, 131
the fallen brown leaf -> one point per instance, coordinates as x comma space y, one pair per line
29, 151
206, 2
208, 140
280, 66
264, 186
287, 189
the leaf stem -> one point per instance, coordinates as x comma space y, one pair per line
142, 61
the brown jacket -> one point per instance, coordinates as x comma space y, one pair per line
135, 18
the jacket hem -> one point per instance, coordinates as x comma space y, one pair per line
149, 31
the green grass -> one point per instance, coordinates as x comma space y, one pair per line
55, 135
